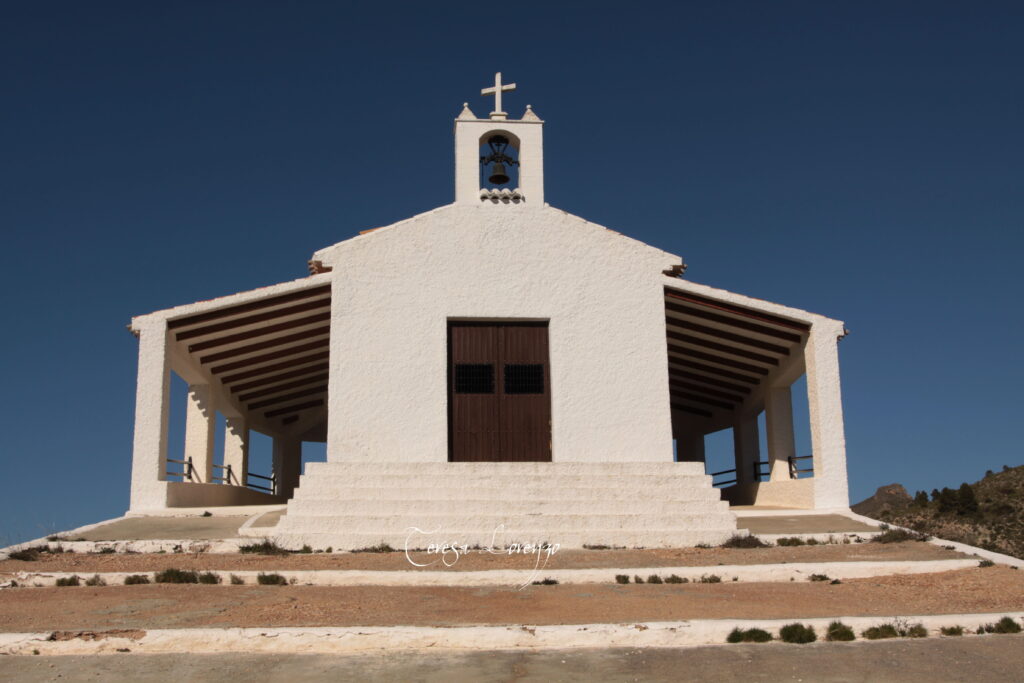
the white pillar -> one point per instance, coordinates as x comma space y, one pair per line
747, 448
200, 422
149, 447
825, 407
690, 448
779, 422
287, 464
236, 449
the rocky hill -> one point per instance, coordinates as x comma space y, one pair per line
988, 513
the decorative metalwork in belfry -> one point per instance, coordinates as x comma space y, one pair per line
498, 145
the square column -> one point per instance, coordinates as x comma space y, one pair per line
287, 464
746, 437
779, 422
236, 449
200, 422
825, 407
149, 446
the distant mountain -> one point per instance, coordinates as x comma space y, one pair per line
988, 513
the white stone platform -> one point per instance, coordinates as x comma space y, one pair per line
356, 505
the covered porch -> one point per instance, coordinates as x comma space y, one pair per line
252, 362
732, 359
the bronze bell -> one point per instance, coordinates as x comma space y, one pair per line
498, 175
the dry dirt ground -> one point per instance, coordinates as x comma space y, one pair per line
992, 589
983, 658
563, 559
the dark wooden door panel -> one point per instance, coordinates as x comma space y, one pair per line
499, 392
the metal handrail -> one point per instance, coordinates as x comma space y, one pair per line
189, 469
228, 474
272, 479
794, 471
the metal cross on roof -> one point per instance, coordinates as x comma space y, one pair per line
496, 91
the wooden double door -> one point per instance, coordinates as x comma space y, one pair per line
499, 392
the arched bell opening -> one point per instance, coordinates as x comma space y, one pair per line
499, 160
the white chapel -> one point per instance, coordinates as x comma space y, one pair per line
493, 364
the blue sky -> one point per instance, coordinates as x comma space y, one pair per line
860, 160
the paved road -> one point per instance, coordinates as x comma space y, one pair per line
979, 658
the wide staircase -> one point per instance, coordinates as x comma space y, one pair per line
413, 505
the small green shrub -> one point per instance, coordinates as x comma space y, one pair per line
596, 546
952, 630
915, 631
899, 536
305, 550
207, 514
638, 579
711, 578
837, 631
675, 578
546, 582
69, 581
1004, 625
271, 580
105, 550
26, 554
135, 579
797, 633
748, 635
898, 628
750, 541
95, 580
813, 541
379, 548
264, 547
790, 541
177, 576
237, 580
654, 578
209, 577
819, 577
621, 578
986, 563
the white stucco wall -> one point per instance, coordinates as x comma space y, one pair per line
396, 288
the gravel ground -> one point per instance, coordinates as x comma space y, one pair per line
985, 658
564, 559
992, 589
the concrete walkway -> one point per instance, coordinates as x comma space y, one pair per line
165, 528
803, 524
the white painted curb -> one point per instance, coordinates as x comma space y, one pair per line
364, 639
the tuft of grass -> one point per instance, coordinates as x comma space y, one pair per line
105, 550
790, 541
819, 577
675, 578
95, 580
207, 514
710, 578
638, 579
1004, 625
210, 578
596, 546
305, 550
797, 633
135, 579
986, 563
838, 631
621, 578
26, 554
177, 576
264, 547
751, 541
329, 549
271, 580
654, 578
880, 632
899, 536
952, 630
915, 631
897, 628
379, 548
748, 635
546, 582
69, 581
237, 580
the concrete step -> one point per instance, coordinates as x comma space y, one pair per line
312, 490
649, 538
533, 482
399, 523
416, 507
517, 468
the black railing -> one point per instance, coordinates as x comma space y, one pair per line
723, 483
228, 475
794, 468
272, 479
758, 473
189, 469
